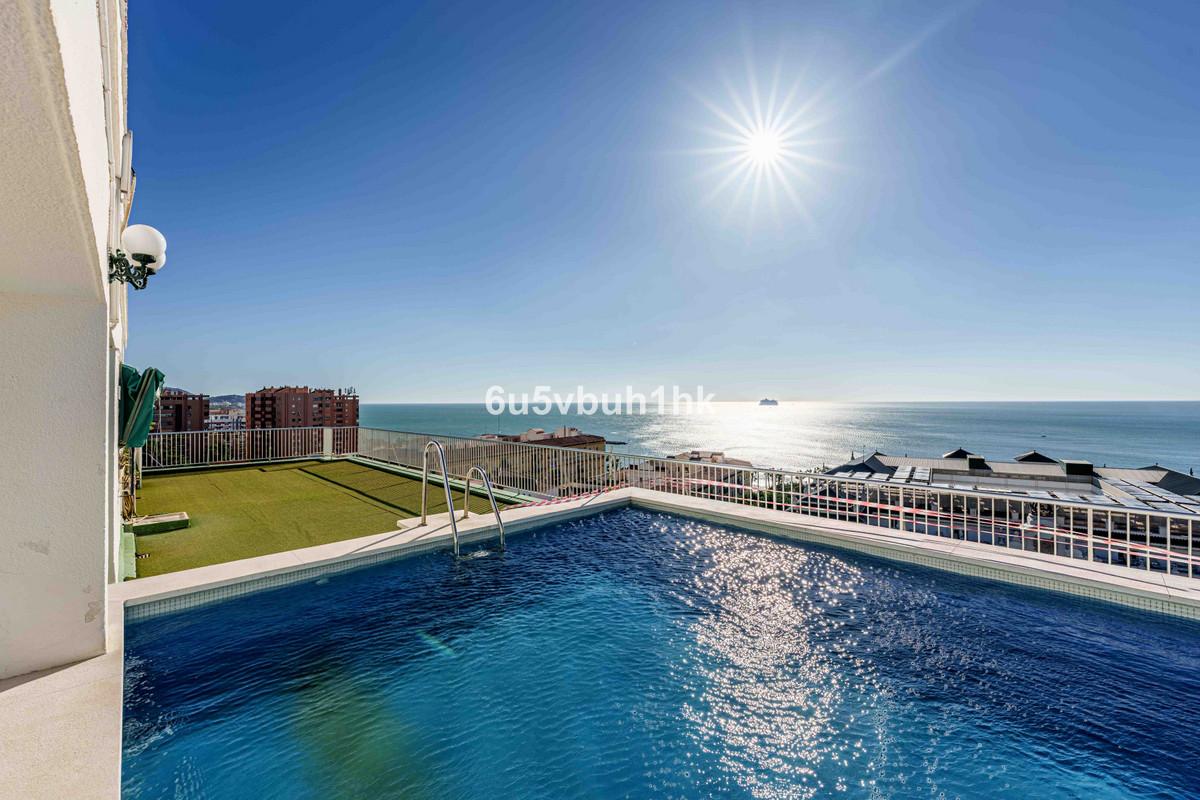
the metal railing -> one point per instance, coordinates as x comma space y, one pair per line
476, 469
491, 496
1155, 541
1141, 539
516, 466
441, 454
213, 448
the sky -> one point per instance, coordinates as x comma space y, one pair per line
840, 200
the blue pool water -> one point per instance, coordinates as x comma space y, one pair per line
636, 654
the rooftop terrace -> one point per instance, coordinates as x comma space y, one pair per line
243, 512
1145, 520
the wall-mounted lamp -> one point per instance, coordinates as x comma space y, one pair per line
146, 248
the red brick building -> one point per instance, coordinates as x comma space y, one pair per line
177, 410
301, 407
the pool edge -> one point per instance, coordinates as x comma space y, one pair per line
1152, 592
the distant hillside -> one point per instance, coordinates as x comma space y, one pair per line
228, 400
238, 400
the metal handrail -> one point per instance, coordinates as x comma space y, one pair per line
445, 485
1133, 537
754, 477
487, 484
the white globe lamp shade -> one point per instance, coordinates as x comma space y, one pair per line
139, 241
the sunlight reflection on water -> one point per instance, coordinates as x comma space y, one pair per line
806, 434
770, 697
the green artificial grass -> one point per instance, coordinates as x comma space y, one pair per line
253, 511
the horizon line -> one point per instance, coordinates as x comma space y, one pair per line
842, 402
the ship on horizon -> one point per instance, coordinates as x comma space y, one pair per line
767, 401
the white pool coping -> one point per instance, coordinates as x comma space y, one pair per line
60, 730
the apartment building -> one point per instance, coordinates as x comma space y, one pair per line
179, 410
301, 407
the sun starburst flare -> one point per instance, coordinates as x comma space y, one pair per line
763, 146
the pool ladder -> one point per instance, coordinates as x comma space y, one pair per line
483, 477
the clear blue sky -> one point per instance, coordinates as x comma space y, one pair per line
998, 200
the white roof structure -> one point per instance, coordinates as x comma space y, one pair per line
1150, 489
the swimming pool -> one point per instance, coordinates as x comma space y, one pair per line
639, 654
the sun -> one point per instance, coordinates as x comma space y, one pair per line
764, 144
763, 148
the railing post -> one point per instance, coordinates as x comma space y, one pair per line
1091, 546
327, 444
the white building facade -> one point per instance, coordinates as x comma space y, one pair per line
62, 325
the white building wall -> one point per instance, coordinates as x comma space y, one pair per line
78, 25
61, 326
53, 501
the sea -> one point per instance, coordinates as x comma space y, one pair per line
795, 435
